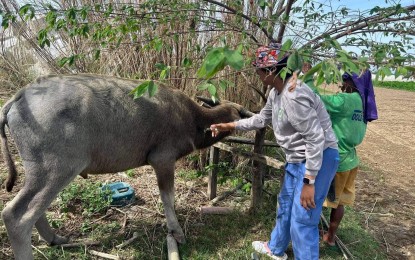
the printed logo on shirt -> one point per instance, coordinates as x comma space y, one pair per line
357, 115
280, 113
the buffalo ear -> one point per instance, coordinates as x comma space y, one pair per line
208, 101
245, 113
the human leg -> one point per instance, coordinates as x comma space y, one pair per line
304, 223
336, 216
345, 194
280, 235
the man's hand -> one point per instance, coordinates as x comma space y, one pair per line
307, 197
224, 127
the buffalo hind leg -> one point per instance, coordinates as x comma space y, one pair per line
165, 180
47, 233
28, 209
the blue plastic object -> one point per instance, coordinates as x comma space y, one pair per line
122, 193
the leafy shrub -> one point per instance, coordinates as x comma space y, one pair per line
85, 196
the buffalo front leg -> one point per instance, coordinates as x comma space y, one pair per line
165, 181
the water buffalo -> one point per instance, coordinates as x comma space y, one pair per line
70, 125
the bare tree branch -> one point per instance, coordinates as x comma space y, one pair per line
285, 20
264, 30
360, 24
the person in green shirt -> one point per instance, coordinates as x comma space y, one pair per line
347, 116
349, 113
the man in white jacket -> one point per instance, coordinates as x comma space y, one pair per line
302, 128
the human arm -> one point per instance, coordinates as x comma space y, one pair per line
260, 120
257, 121
307, 196
222, 127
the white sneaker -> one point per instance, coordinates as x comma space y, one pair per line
262, 248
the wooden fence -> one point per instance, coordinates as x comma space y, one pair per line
214, 160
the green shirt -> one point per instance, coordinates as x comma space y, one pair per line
346, 114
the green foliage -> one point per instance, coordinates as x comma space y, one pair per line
147, 86
286, 47
218, 58
295, 62
190, 174
402, 85
130, 173
215, 61
228, 174
85, 196
27, 12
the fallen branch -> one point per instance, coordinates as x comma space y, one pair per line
172, 250
103, 255
40, 252
225, 194
117, 209
386, 243
216, 210
379, 214
367, 218
101, 218
149, 210
86, 243
129, 241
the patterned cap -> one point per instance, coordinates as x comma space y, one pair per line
268, 56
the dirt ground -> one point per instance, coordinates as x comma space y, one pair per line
386, 192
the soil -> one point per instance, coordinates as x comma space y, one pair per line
386, 192
385, 189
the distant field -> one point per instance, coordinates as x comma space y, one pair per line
403, 85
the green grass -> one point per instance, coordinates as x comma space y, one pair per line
402, 85
359, 242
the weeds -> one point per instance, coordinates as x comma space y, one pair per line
86, 195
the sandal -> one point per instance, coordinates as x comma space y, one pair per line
262, 248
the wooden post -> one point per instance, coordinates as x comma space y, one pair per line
203, 155
213, 178
258, 172
172, 249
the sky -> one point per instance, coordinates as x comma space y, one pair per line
364, 5
368, 4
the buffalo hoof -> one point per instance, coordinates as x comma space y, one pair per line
59, 240
179, 238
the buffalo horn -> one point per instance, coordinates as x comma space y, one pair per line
208, 101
